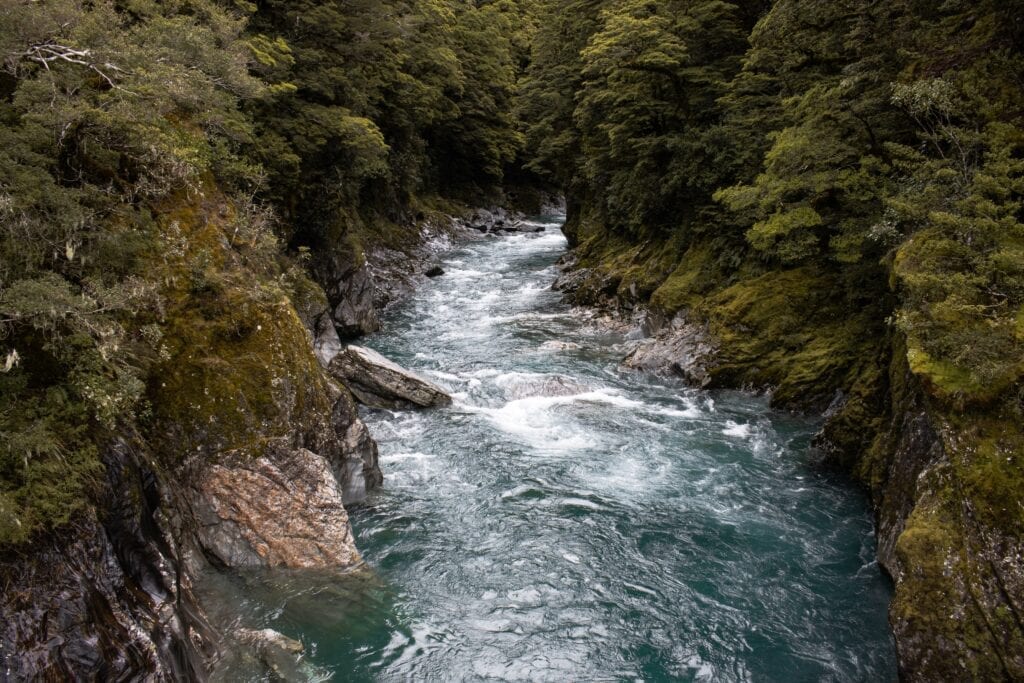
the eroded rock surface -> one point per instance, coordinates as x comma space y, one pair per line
350, 292
281, 509
107, 600
682, 348
377, 382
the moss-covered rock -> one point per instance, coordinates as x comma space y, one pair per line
946, 486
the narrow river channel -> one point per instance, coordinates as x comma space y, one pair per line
566, 520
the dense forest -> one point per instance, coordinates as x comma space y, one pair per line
833, 191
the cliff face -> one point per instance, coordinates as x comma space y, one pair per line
247, 458
945, 475
946, 485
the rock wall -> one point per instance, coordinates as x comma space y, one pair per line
109, 599
247, 458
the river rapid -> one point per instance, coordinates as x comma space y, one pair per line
565, 520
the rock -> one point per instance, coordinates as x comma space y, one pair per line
107, 599
326, 342
494, 221
268, 638
355, 462
683, 349
280, 654
377, 382
588, 287
434, 271
523, 385
281, 509
560, 346
350, 291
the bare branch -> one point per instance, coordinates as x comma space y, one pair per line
50, 52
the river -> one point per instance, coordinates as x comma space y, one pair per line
566, 520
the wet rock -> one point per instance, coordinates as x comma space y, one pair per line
280, 654
107, 599
588, 287
682, 348
377, 382
560, 346
326, 342
355, 458
281, 509
494, 221
434, 271
350, 292
517, 386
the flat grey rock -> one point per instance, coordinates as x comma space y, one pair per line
377, 382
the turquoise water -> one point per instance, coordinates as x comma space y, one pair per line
565, 520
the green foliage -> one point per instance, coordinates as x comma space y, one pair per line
149, 151
876, 142
105, 111
382, 101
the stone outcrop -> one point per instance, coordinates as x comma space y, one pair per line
110, 598
377, 382
281, 509
350, 292
945, 485
682, 348
493, 221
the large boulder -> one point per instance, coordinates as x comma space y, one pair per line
281, 509
377, 382
683, 348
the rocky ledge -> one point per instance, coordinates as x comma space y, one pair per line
377, 382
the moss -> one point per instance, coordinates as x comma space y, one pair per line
635, 271
989, 461
791, 330
692, 278
952, 592
956, 384
236, 367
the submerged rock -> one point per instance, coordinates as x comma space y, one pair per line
377, 382
277, 652
554, 345
518, 386
434, 271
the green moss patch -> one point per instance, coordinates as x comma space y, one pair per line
792, 330
236, 368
